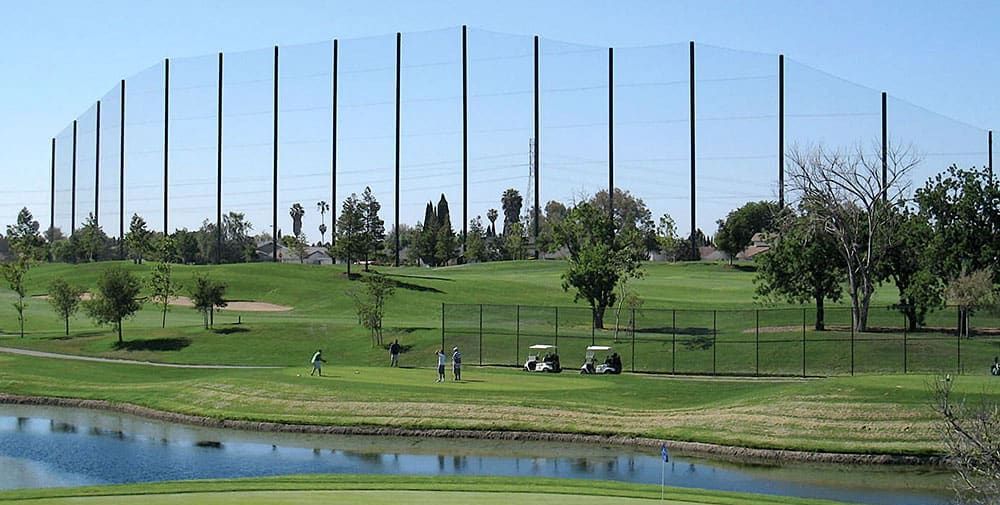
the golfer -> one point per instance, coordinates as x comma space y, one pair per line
317, 362
394, 354
441, 360
456, 363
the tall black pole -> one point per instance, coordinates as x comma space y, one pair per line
989, 143
781, 131
333, 144
274, 159
395, 225
121, 166
166, 141
218, 167
72, 211
465, 138
52, 187
97, 165
538, 132
694, 246
885, 149
611, 134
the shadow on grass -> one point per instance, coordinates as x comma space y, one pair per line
154, 344
230, 330
424, 277
415, 287
666, 330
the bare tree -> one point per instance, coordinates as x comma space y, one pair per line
846, 195
971, 435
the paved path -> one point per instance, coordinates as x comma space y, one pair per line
43, 354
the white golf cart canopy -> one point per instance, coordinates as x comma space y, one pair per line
542, 347
593, 348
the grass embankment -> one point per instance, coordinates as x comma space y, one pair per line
310, 489
871, 414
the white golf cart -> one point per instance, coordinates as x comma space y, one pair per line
549, 362
612, 363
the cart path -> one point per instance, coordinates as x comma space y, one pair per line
43, 354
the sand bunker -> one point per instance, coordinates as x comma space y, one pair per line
237, 306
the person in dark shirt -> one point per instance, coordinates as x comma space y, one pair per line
394, 354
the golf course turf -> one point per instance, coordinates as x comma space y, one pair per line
867, 414
310, 489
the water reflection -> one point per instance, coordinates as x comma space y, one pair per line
53, 447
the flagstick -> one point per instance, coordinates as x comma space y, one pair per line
663, 469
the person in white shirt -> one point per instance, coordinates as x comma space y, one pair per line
456, 363
317, 362
441, 359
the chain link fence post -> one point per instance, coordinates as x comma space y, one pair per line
480, 334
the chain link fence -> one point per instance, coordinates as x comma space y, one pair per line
742, 342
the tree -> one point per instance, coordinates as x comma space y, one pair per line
65, 299
799, 267
599, 257
666, 236
555, 212
475, 242
162, 288
844, 193
138, 239
350, 243
492, 215
14, 273
972, 291
444, 237
970, 431
627, 299
737, 230
24, 238
370, 304
322, 207
116, 299
92, 243
206, 295
908, 266
629, 212
373, 226
510, 202
297, 212
515, 243
297, 244
962, 208
182, 246
407, 239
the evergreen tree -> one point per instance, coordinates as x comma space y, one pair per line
445, 244
350, 243
138, 239
374, 226
24, 238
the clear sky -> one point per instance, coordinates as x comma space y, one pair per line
60, 57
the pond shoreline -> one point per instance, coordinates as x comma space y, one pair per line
716, 450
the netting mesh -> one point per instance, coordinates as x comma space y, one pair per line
248, 137
144, 121
736, 123
191, 186
63, 204
651, 128
501, 73
574, 120
304, 133
109, 197
366, 122
86, 168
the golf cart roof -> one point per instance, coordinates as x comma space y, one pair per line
542, 346
598, 348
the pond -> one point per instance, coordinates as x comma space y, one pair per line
49, 447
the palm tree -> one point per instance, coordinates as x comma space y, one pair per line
322, 207
296, 212
492, 215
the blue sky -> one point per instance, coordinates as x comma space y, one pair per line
62, 56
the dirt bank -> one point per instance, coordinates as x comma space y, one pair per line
726, 452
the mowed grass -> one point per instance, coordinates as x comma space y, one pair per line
316, 489
716, 306
870, 414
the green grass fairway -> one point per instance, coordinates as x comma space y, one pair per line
323, 317
316, 489
870, 414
